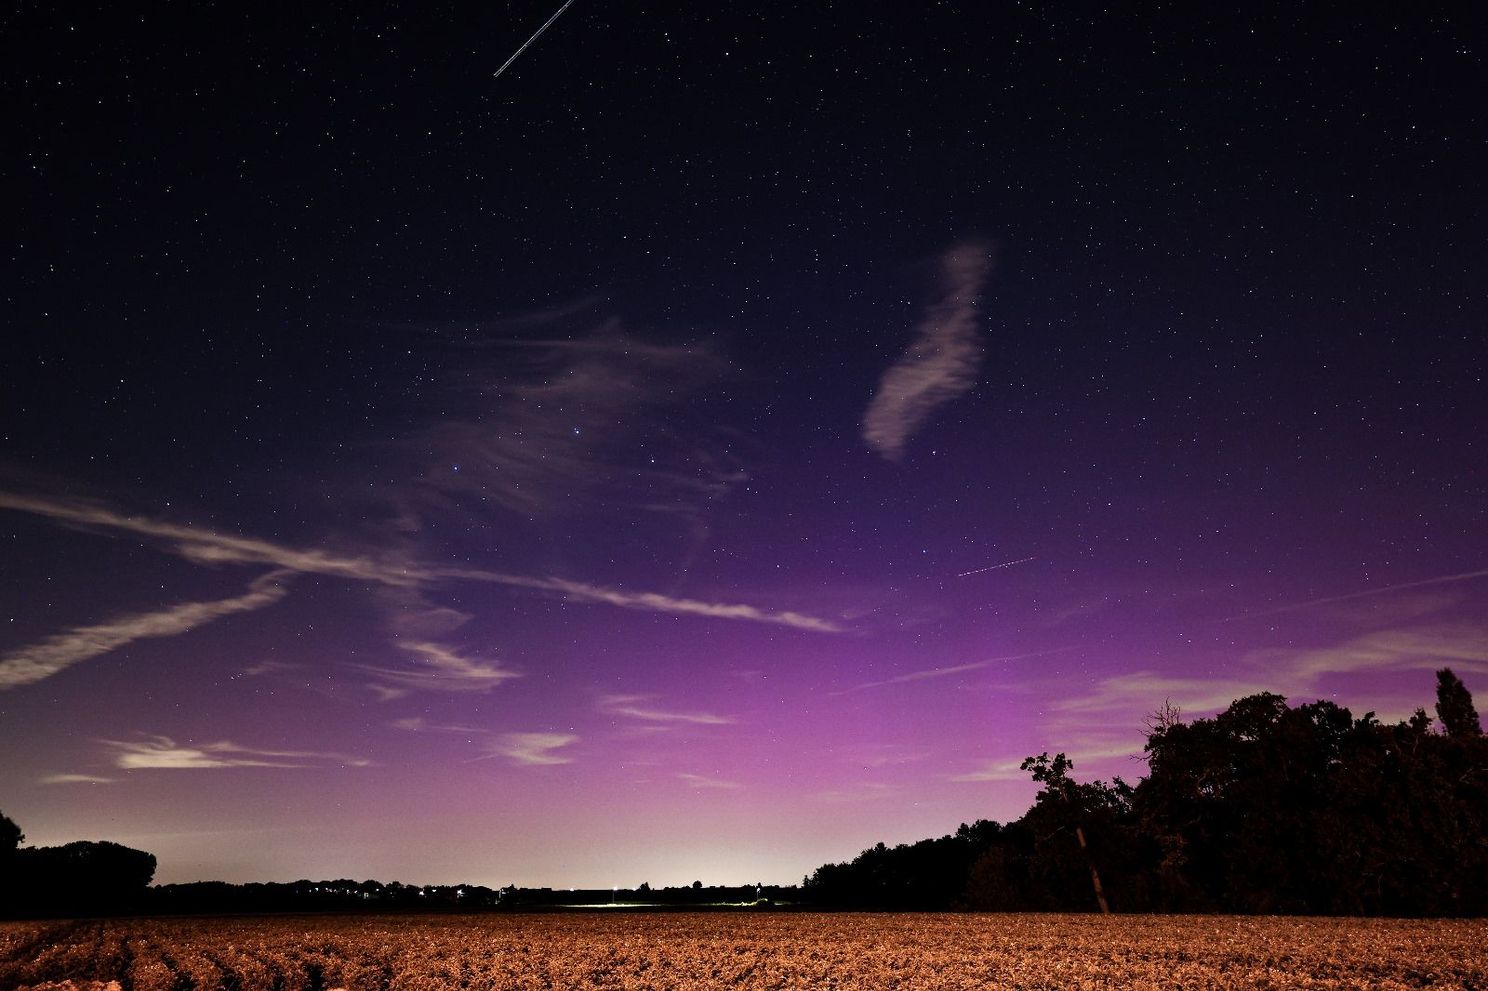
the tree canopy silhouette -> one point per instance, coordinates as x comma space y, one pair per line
73, 879
1454, 706
1264, 808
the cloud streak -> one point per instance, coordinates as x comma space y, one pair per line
704, 782
418, 724
567, 424
1143, 691
1291, 672
640, 707
442, 669
163, 753
940, 365
212, 547
1012, 769
1106, 720
532, 749
867, 791
209, 546
656, 602
61, 651
1421, 648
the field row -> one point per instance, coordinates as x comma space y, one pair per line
743, 951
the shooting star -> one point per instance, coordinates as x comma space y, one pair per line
546, 24
994, 567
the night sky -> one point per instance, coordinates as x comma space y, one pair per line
731, 436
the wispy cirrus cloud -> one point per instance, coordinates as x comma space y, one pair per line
207, 546
75, 779
559, 419
418, 724
56, 653
655, 602
1294, 672
644, 707
440, 669
880, 755
410, 613
532, 749
867, 791
705, 782
263, 668
1415, 648
940, 365
1109, 719
163, 753
1011, 769
1139, 692
1001, 769
203, 545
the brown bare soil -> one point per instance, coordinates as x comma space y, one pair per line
841, 952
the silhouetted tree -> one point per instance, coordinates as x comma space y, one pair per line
1085, 841
10, 835
10, 840
1454, 706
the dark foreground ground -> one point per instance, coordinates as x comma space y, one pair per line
741, 951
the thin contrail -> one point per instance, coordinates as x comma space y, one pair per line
943, 672
1439, 580
994, 567
546, 24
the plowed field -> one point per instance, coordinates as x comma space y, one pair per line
741, 951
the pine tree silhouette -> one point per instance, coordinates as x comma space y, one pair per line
1454, 706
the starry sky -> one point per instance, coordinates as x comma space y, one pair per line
728, 437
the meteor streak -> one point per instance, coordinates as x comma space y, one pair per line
546, 24
994, 567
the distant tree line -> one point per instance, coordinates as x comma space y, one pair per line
340, 895
1264, 808
695, 895
346, 895
99, 878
